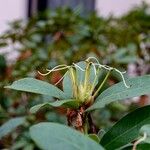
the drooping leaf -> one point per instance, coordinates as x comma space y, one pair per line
65, 103
127, 129
36, 86
11, 125
52, 136
138, 86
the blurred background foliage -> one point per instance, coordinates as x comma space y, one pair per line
64, 36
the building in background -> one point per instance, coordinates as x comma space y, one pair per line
117, 8
21, 9
11, 10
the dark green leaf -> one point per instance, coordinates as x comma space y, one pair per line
36, 86
65, 103
138, 86
52, 136
143, 146
10, 125
126, 60
127, 129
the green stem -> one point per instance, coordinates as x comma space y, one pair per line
101, 85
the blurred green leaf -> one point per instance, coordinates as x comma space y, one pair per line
11, 125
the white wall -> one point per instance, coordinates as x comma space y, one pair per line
10, 10
116, 7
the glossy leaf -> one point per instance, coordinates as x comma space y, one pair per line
36, 86
138, 86
127, 129
52, 136
11, 125
65, 103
